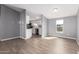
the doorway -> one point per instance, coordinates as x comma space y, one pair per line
37, 29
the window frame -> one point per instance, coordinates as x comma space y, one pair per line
62, 27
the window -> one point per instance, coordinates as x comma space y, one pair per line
59, 26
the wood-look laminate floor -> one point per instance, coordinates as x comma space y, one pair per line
37, 45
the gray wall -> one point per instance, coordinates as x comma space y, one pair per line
78, 25
9, 23
70, 27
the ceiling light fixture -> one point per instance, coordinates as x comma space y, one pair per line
55, 9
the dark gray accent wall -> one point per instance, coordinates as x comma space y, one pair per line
9, 23
70, 27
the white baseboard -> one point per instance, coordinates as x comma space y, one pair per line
22, 37
68, 37
9, 38
64, 37
13, 38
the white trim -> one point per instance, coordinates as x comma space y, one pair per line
59, 32
62, 37
68, 37
62, 26
9, 38
22, 37
13, 38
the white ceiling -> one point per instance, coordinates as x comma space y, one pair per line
64, 10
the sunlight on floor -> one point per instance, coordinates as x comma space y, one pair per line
50, 37
59, 46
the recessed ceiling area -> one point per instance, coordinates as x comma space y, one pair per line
50, 10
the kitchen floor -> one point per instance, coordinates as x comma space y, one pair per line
38, 45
